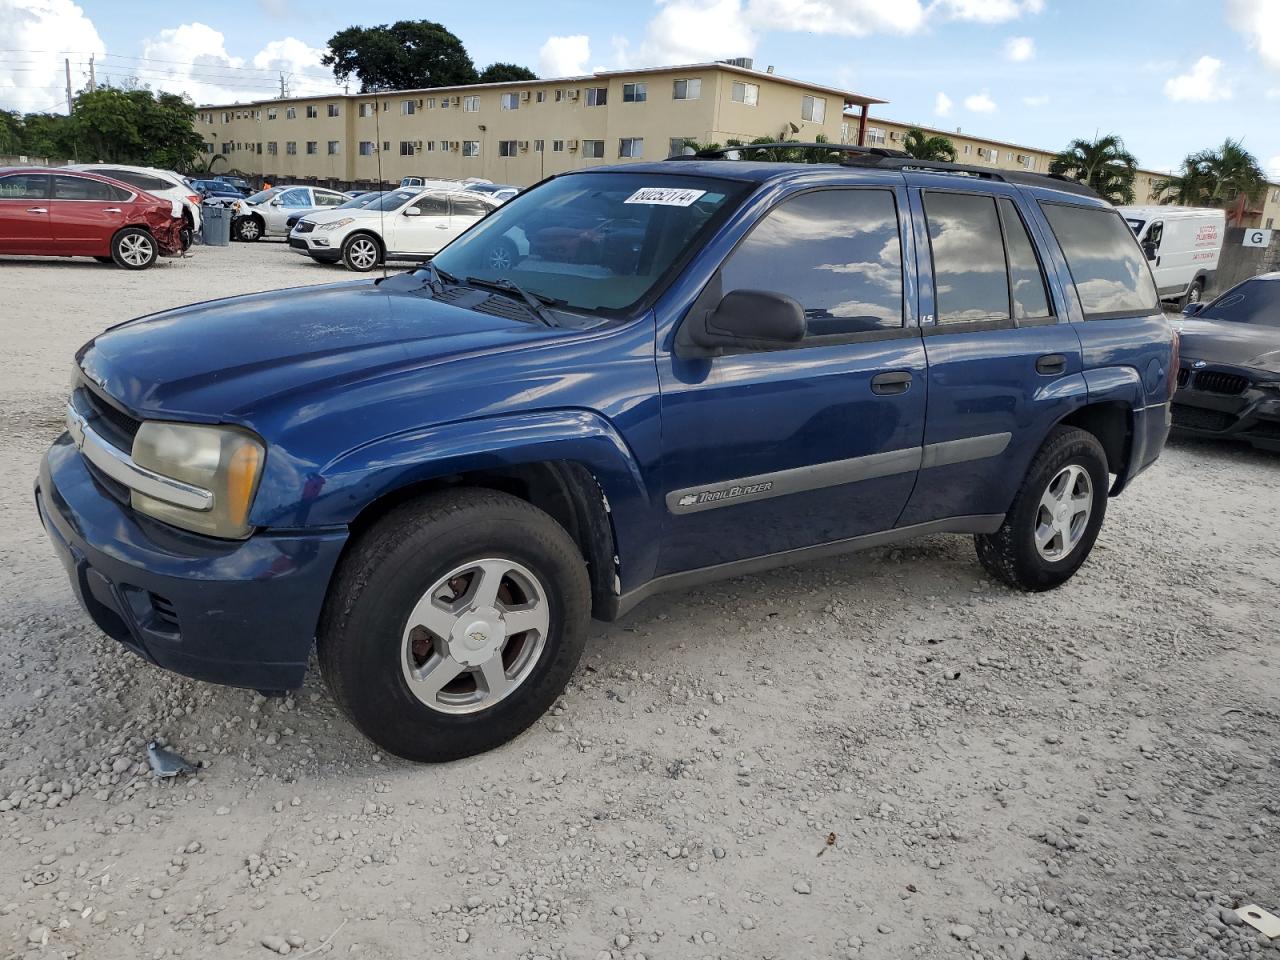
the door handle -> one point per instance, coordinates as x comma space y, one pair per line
1051, 365
1157, 261
111, 210
442, 226
37, 210
887, 384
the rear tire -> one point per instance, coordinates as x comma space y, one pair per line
133, 249
1055, 517
405, 603
361, 252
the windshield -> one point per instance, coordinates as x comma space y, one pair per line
263, 196
1254, 301
591, 241
392, 201
355, 203
1136, 226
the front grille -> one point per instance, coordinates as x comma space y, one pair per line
113, 424
1198, 418
304, 226
1213, 381
1183, 376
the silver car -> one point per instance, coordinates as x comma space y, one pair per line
266, 214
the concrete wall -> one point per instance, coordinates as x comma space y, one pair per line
1239, 262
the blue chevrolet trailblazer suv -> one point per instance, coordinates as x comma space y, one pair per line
625, 380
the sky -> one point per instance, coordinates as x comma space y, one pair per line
1168, 76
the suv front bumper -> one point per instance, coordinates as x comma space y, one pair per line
306, 243
241, 613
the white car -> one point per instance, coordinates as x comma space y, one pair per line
408, 224
266, 214
165, 184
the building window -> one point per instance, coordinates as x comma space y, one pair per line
444, 146
313, 147
430, 103
408, 107
537, 146
333, 110
748, 93
968, 148
291, 113
226, 147
431, 146
635, 92
291, 147
542, 96
813, 109
875, 136
559, 95
1026, 160
272, 148
312, 113
676, 145
368, 109
367, 148
593, 148
334, 146
407, 148
632, 147
557, 146
507, 148
271, 113
511, 101
597, 96
386, 146
470, 104
471, 148
259, 149
686, 89
226, 117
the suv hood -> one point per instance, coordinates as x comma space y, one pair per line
228, 360
1224, 341
333, 214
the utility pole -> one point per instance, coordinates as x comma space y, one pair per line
93, 80
283, 94
68, 63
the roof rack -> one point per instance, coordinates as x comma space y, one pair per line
887, 159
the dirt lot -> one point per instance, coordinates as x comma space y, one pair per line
883, 756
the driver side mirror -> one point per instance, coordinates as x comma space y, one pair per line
412, 212
1149, 249
276, 201
1193, 309
748, 320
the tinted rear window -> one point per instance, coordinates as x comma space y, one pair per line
969, 276
82, 188
1107, 265
140, 180
1254, 301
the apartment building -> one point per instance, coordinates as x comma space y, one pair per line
519, 132
1002, 155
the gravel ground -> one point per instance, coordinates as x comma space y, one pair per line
881, 756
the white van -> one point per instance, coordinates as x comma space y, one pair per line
1183, 245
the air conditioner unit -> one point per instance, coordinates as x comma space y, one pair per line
573, 94
418, 145
525, 96
894, 135
524, 144
457, 101
453, 145
420, 102
573, 144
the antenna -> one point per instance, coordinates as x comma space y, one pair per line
377, 148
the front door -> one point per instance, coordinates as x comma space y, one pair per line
85, 214
24, 214
1002, 355
770, 451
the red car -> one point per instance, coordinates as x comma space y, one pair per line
60, 213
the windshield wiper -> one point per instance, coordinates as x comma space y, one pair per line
534, 301
436, 277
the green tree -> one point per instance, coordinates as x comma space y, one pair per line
505, 72
1214, 178
406, 55
1104, 164
47, 135
922, 146
10, 132
134, 126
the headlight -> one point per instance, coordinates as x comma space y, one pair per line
235, 206
1268, 384
226, 461
336, 224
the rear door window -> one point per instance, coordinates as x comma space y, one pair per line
326, 199
1110, 272
837, 252
82, 188
469, 206
969, 272
1026, 278
140, 180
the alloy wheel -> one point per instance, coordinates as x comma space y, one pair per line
475, 636
136, 250
1063, 515
363, 253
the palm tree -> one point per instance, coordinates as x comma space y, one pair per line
1215, 178
924, 147
1104, 164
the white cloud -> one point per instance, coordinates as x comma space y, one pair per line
1204, 83
1036, 101
192, 58
1259, 21
564, 56
979, 103
988, 11
1019, 49
1273, 93
1273, 166
688, 31
32, 79
854, 18
942, 105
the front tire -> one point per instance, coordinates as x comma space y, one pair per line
1055, 516
1194, 293
133, 249
453, 624
361, 252
502, 256
248, 229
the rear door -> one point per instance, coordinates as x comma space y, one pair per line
1002, 355
85, 214
464, 211
24, 214
770, 451
423, 232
